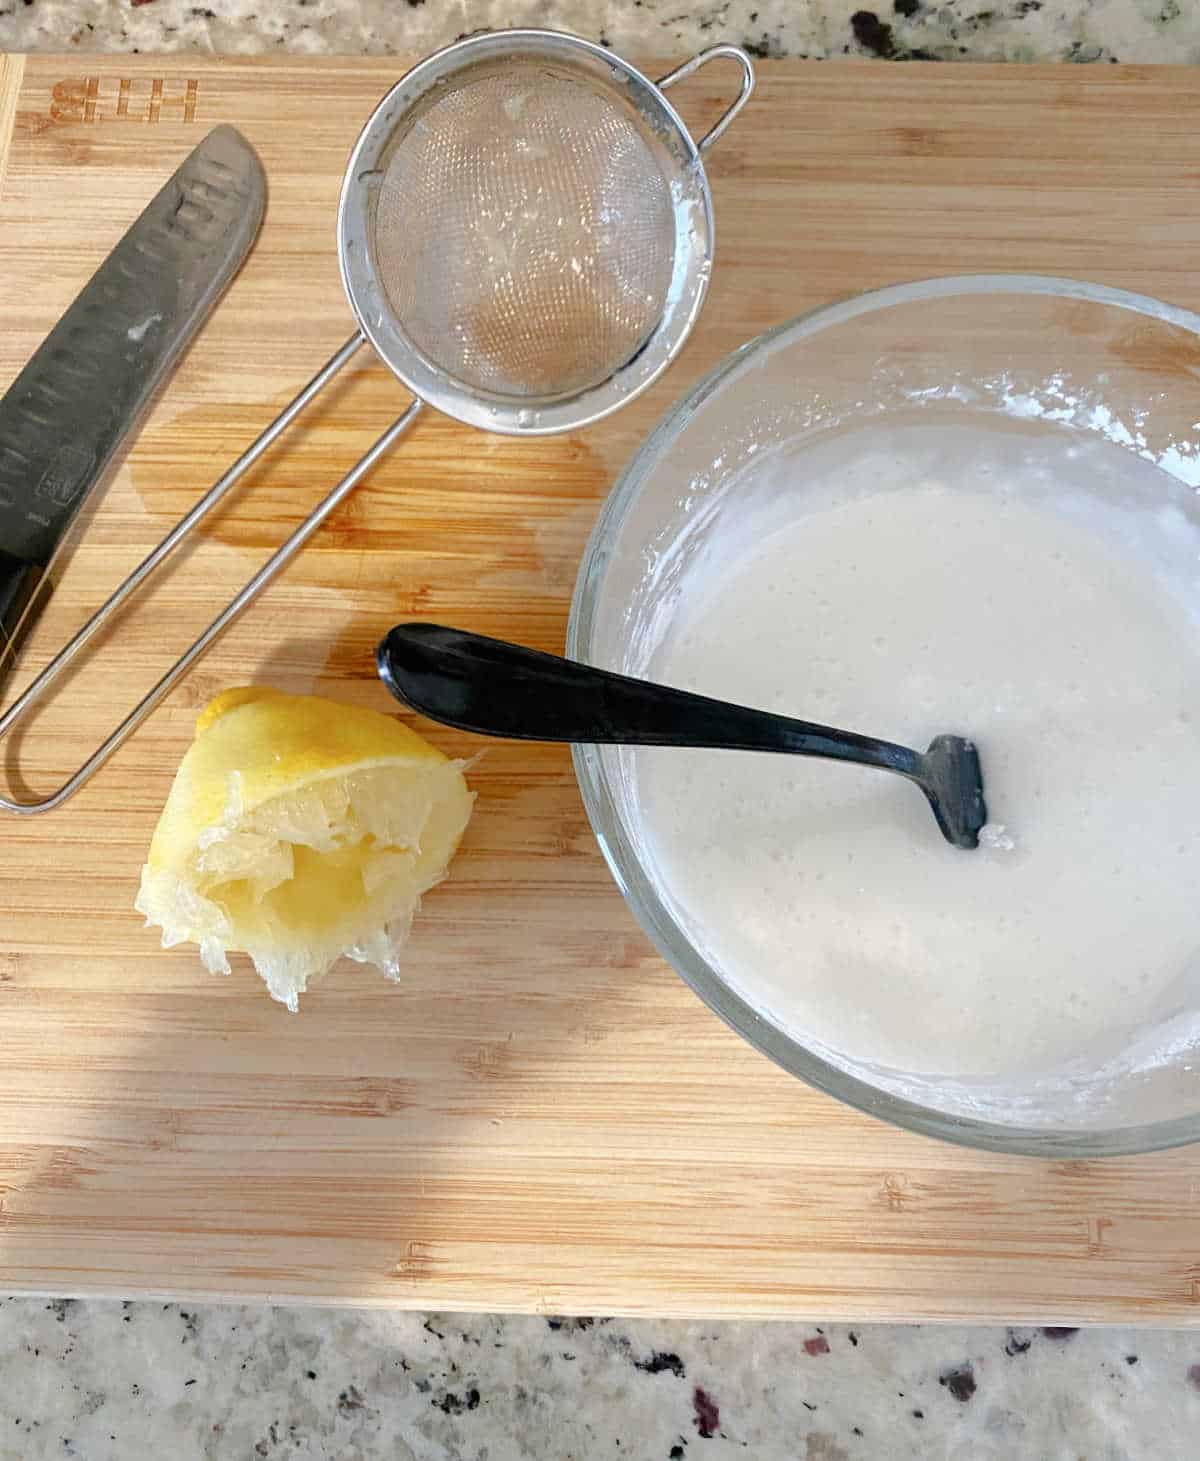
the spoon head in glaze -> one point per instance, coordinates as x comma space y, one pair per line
953, 782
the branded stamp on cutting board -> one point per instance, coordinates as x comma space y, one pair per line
127, 99
541, 1115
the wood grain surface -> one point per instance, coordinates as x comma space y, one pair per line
541, 1116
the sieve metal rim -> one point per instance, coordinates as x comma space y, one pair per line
428, 381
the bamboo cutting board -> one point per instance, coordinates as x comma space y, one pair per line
542, 1116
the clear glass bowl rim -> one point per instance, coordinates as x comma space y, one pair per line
623, 862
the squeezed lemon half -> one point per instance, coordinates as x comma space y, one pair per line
297, 831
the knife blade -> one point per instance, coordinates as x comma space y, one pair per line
70, 411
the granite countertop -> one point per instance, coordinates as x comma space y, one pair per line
111, 1380
973, 30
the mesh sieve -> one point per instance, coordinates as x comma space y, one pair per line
524, 230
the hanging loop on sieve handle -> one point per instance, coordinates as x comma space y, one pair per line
42, 683
702, 58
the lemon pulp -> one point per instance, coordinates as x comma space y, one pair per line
299, 830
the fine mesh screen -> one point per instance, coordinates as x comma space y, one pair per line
524, 231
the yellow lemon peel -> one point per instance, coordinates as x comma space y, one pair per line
299, 830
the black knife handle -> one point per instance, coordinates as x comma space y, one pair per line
21, 583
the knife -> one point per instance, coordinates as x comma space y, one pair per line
69, 412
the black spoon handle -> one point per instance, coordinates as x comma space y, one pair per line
500, 689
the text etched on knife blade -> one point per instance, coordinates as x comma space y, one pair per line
66, 475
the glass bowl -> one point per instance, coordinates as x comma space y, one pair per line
1069, 354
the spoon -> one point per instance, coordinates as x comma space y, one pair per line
499, 689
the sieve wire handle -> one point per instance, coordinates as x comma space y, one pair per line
38, 687
702, 58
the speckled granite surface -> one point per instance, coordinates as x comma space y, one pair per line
107, 1381
993, 30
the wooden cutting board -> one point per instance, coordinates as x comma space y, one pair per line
541, 1116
